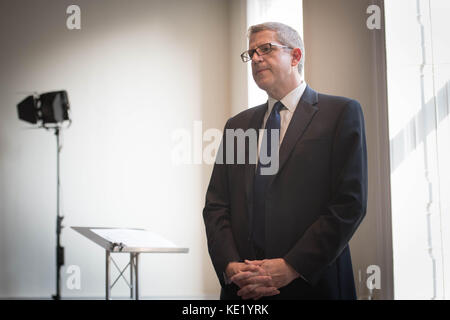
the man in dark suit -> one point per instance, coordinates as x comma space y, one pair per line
284, 234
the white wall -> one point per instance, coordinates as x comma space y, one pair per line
238, 44
135, 72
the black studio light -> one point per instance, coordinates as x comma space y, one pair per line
50, 110
51, 107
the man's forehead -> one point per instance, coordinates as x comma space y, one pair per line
259, 38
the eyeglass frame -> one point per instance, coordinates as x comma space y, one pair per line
253, 51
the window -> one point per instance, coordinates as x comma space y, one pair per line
418, 74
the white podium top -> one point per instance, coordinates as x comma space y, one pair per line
129, 240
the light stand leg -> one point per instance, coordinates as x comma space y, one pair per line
59, 248
107, 273
132, 285
136, 275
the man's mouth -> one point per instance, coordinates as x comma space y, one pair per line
261, 70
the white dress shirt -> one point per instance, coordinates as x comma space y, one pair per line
290, 102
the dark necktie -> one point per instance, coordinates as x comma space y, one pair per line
261, 180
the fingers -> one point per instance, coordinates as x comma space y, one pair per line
254, 262
251, 274
254, 281
251, 278
236, 267
252, 268
246, 272
243, 279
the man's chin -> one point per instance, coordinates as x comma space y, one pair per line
263, 85
262, 82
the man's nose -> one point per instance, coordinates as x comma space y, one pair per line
256, 58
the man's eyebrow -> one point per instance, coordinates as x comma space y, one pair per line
257, 46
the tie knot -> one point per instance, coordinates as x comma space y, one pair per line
278, 106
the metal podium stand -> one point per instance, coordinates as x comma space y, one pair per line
134, 251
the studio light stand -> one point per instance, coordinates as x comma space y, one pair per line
50, 108
59, 219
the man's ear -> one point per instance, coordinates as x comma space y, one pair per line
296, 56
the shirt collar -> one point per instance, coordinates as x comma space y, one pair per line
291, 100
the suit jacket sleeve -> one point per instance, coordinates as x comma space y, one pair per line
216, 215
325, 239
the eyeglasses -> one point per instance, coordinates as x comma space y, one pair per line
261, 50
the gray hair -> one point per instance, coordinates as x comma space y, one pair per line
286, 35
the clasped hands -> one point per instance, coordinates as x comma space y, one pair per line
260, 278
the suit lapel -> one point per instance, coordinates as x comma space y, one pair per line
304, 113
255, 123
301, 118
